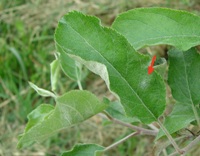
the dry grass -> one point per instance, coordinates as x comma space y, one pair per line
41, 12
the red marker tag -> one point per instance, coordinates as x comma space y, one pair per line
150, 68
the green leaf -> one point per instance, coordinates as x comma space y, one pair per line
153, 26
54, 74
108, 54
68, 65
41, 91
179, 118
116, 110
184, 76
71, 108
38, 115
184, 80
84, 150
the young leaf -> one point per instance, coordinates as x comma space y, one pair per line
41, 91
71, 108
153, 26
68, 65
108, 54
84, 150
180, 117
54, 74
38, 115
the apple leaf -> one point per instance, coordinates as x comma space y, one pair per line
184, 76
84, 150
179, 118
184, 81
153, 26
41, 91
71, 108
108, 54
116, 110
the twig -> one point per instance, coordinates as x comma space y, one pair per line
153, 127
133, 127
188, 147
121, 141
170, 138
192, 144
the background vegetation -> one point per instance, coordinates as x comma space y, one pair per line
26, 51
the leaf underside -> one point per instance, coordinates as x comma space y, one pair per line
108, 54
42, 91
154, 26
71, 108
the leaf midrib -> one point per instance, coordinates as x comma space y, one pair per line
163, 37
112, 67
167, 37
72, 108
188, 86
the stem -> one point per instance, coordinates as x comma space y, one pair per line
196, 114
192, 144
188, 147
120, 141
78, 75
79, 85
170, 137
133, 127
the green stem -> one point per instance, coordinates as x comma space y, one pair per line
79, 77
196, 114
170, 138
79, 85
